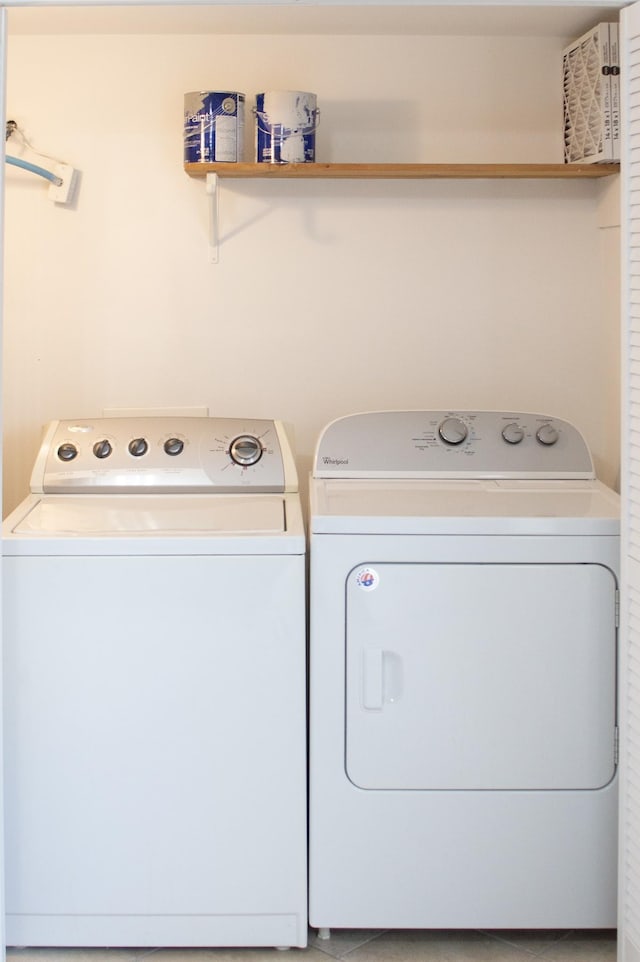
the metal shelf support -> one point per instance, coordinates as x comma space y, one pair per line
212, 191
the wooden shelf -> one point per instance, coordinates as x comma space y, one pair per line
404, 171
214, 173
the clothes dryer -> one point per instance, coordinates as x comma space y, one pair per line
463, 734
154, 688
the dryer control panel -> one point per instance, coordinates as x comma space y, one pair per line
164, 455
452, 444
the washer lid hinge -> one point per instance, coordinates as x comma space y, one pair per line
616, 745
617, 608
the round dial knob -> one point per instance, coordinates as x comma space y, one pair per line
245, 450
453, 431
138, 447
173, 446
547, 434
67, 451
102, 449
513, 433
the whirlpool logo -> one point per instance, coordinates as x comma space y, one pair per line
335, 461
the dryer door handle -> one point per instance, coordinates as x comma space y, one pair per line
373, 679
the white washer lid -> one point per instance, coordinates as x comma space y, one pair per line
153, 515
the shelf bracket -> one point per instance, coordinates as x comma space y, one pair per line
212, 191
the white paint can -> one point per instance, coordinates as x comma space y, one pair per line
286, 122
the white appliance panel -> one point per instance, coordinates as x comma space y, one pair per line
480, 676
153, 768
154, 681
445, 859
463, 622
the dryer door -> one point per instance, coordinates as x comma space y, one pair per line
480, 676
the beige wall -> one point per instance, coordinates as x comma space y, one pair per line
330, 296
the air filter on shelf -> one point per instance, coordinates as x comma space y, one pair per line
591, 77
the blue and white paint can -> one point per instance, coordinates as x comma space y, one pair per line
213, 126
286, 122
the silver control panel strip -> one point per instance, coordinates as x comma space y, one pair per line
451, 444
164, 455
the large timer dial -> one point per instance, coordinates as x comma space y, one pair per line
453, 431
245, 450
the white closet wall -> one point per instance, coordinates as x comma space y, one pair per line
329, 297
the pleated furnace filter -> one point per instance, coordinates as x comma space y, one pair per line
587, 98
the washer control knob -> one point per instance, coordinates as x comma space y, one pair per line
245, 450
138, 447
174, 446
453, 431
102, 449
513, 433
547, 434
67, 451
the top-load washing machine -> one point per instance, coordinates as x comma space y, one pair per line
155, 688
463, 739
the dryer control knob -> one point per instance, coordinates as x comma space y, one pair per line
453, 431
138, 447
173, 446
245, 450
513, 433
67, 451
102, 449
547, 434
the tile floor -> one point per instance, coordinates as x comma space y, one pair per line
374, 946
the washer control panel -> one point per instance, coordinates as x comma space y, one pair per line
164, 455
452, 444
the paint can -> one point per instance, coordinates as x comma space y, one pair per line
286, 123
213, 126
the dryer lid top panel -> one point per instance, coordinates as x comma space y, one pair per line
463, 507
451, 444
